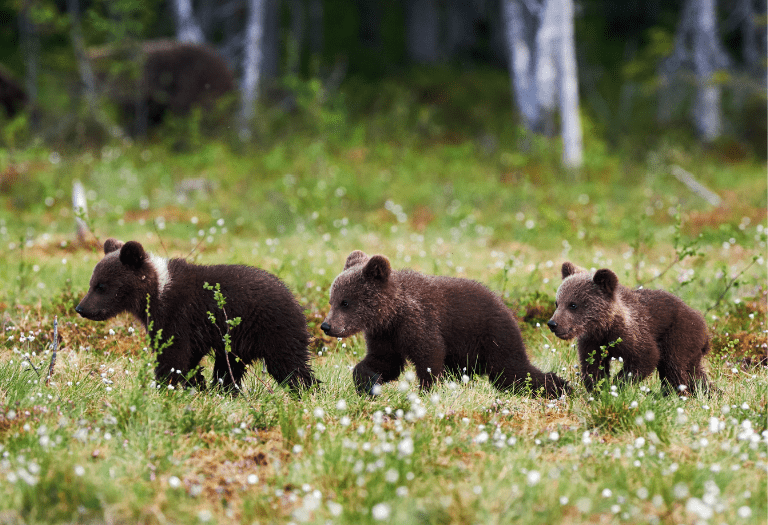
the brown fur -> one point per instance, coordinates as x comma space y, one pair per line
272, 325
175, 77
13, 96
438, 323
658, 331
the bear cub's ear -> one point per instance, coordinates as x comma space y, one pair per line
132, 254
569, 269
606, 279
355, 258
111, 245
377, 269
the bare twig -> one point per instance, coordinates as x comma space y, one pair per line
730, 284
160, 237
32, 365
194, 249
55, 348
665, 270
695, 186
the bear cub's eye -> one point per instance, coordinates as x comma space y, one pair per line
344, 303
101, 287
572, 306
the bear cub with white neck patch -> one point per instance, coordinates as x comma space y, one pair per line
272, 326
658, 331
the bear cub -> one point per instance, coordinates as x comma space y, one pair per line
438, 323
272, 327
658, 331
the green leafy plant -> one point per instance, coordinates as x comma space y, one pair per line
230, 324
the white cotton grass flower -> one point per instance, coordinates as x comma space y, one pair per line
532, 477
699, 508
405, 447
334, 508
381, 511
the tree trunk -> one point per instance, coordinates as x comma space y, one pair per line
569, 90
423, 31
521, 59
270, 38
753, 41
315, 33
83, 64
30, 45
547, 51
698, 49
296, 39
707, 59
187, 29
252, 64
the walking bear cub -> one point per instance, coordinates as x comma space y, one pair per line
658, 331
272, 327
438, 323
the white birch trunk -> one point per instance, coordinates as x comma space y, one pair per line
521, 62
569, 90
187, 29
706, 59
546, 62
252, 63
698, 49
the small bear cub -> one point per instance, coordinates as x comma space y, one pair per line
272, 326
658, 331
438, 323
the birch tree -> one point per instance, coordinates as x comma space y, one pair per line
747, 15
522, 61
541, 49
547, 37
187, 28
697, 48
570, 121
251, 64
423, 30
30, 45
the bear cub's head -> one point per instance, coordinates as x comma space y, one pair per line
360, 296
119, 281
584, 303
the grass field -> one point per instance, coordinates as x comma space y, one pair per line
100, 444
